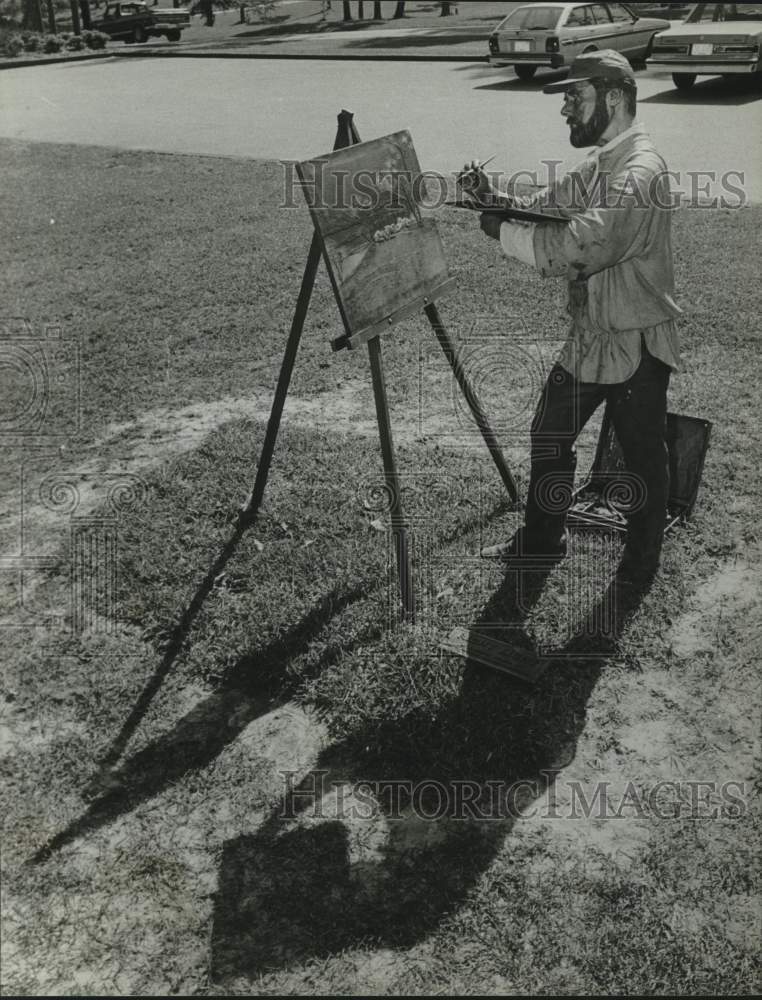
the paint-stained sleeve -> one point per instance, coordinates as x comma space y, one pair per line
601, 236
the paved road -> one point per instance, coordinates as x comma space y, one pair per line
284, 109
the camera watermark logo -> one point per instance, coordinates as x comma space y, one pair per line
506, 368
422, 496
61, 570
40, 368
484, 596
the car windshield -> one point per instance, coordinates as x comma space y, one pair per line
534, 18
717, 12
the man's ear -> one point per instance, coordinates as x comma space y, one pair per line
614, 97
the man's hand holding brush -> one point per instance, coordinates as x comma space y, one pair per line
474, 186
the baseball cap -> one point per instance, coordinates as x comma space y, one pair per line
604, 64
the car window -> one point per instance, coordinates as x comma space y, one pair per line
619, 13
534, 18
579, 17
601, 13
714, 12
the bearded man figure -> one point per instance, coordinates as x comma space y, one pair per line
614, 248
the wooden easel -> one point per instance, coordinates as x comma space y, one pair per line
347, 135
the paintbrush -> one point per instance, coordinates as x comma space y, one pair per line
473, 170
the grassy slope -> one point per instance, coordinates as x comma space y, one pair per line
179, 274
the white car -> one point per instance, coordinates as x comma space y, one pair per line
715, 38
554, 34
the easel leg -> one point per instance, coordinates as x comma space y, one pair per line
346, 135
251, 508
399, 524
473, 401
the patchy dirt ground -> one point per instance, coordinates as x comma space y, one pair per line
628, 863
664, 722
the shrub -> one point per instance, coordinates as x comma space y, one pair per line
32, 41
51, 43
75, 43
13, 45
95, 39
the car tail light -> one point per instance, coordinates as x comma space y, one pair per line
493, 46
552, 44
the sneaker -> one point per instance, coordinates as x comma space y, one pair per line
518, 550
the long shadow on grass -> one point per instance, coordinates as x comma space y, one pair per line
305, 887
257, 684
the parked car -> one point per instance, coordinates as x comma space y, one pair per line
672, 11
715, 38
553, 34
135, 21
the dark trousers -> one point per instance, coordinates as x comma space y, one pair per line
638, 409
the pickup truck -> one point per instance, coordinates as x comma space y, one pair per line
135, 21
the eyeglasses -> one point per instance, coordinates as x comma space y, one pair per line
573, 97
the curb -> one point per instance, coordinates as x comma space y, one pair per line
159, 53
47, 60
338, 57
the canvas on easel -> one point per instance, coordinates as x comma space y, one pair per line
386, 263
384, 257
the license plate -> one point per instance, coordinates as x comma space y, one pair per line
522, 46
702, 49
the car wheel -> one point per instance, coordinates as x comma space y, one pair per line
683, 81
525, 72
173, 36
139, 34
590, 48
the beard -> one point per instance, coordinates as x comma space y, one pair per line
588, 133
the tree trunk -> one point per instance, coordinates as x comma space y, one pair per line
347, 11
84, 9
377, 15
445, 12
360, 10
399, 10
32, 19
52, 27
76, 26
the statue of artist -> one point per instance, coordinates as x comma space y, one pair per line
614, 248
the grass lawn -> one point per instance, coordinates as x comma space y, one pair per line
183, 868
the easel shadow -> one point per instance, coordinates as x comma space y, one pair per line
300, 889
258, 683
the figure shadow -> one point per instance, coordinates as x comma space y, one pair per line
258, 683
445, 792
